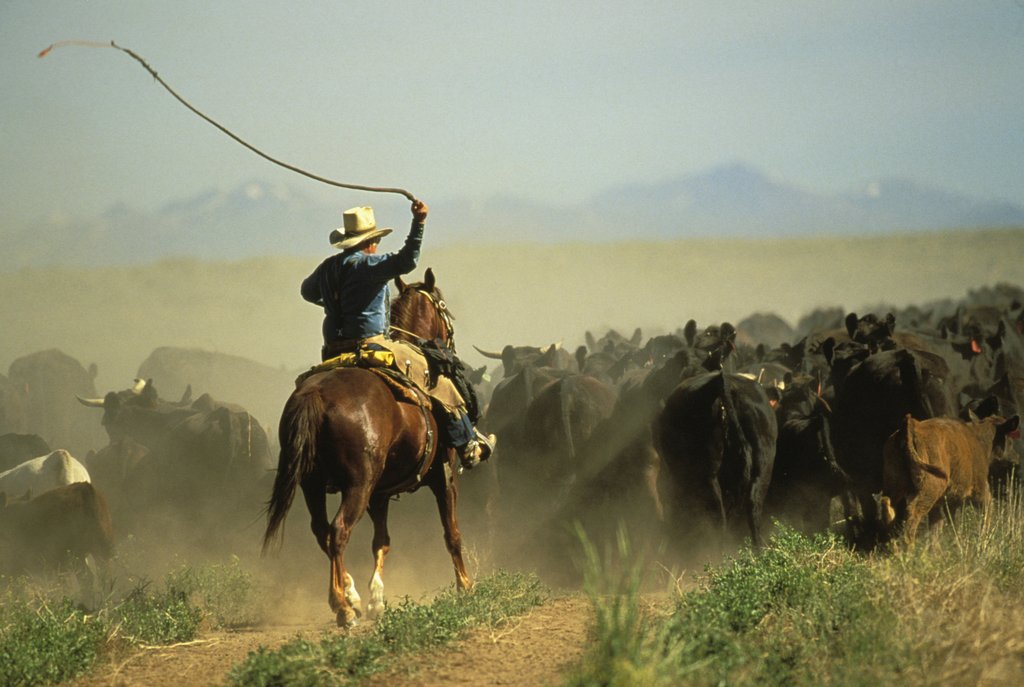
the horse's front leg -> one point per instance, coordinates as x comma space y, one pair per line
381, 545
442, 483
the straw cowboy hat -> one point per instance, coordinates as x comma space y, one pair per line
360, 227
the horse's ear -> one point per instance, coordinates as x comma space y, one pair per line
400, 283
428, 279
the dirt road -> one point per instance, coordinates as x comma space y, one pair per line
535, 649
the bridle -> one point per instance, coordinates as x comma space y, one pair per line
443, 314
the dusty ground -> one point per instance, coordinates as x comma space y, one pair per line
535, 649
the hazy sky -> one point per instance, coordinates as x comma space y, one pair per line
546, 100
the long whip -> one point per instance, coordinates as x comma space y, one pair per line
293, 168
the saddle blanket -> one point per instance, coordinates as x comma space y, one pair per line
404, 358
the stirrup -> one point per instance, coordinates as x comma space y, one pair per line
486, 442
476, 451
469, 456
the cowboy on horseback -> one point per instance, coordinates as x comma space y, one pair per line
352, 288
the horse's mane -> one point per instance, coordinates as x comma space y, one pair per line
402, 312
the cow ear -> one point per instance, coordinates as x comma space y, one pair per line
1011, 427
972, 416
638, 336
111, 401
989, 406
591, 342
828, 349
581, 357
890, 322
690, 332
851, 324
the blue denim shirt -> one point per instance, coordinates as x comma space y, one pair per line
352, 287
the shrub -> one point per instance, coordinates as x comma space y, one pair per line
799, 612
165, 617
225, 592
409, 627
46, 644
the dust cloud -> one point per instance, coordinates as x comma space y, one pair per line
519, 294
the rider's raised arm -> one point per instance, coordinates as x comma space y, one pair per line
402, 261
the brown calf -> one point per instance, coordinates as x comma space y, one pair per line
59, 526
926, 460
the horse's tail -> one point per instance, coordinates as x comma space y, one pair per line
300, 426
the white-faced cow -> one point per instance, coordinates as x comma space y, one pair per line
928, 460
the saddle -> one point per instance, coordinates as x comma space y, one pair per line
377, 359
405, 360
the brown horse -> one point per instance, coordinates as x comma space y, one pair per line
342, 430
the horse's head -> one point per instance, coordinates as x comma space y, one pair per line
419, 311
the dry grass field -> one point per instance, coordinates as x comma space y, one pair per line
522, 294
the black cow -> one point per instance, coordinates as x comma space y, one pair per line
872, 395
13, 413
206, 461
48, 382
716, 437
15, 449
560, 420
515, 358
806, 475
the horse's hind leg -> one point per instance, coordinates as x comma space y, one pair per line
381, 545
342, 596
442, 483
316, 504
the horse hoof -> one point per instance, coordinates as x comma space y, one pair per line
345, 621
374, 611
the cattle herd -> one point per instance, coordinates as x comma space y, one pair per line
861, 424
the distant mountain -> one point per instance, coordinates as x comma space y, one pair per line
730, 200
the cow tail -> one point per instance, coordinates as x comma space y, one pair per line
916, 463
912, 379
734, 436
565, 394
300, 426
101, 526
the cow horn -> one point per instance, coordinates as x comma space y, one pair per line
488, 354
139, 385
90, 402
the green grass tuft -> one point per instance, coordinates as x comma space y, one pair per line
808, 611
405, 628
43, 644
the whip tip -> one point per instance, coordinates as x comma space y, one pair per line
45, 51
